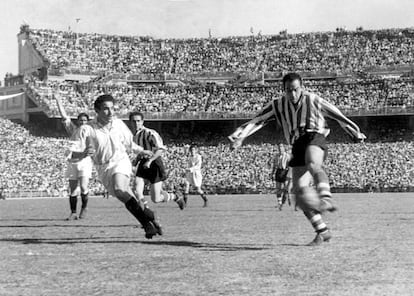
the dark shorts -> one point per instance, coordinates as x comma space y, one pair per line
155, 173
300, 145
281, 175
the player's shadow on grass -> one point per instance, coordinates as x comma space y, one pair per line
211, 247
30, 220
121, 240
69, 225
294, 245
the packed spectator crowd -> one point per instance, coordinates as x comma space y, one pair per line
30, 162
334, 52
349, 96
31, 158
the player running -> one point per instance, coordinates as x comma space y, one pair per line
282, 175
151, 168
108, 140
193, 175
78, 171
301, 114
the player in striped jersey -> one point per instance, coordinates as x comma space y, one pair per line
151, 169
301, 114
282, 174
78, 171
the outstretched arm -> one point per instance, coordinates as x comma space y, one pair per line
60, 107
348, 125
252, 126
65, 118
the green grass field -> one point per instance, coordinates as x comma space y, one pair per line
240, 245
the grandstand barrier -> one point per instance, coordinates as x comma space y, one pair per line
246, 115
168, 116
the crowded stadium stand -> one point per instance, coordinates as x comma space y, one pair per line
199, 90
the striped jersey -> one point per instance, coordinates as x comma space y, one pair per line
307, 115
149, 139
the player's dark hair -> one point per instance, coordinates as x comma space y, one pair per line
83, 114
291, 77
135, 113
101, 99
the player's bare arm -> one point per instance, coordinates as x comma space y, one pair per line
153, 157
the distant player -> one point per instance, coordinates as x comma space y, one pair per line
108, 140
301, 114
78, 171
193, 174
282, 175
151, 169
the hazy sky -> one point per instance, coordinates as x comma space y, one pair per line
193, 18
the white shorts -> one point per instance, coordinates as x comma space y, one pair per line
194, 178
106, 172
79, 169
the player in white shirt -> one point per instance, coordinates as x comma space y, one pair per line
193, 174
108, 140
78, 171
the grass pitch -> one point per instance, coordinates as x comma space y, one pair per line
239, 245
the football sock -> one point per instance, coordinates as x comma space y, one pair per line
185, 196
167, 196
73, 200
135, 209
316, 220
279, 198
322, 184
204, 196
284, 197
84, 197
149, 214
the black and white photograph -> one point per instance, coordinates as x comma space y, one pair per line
206, 147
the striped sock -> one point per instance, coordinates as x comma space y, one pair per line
322, 184
167, 196
279, 199
316, 220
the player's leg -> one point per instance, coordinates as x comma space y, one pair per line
121, 189
314, 157
159, 195
83, 183
73, 199
284, 193
197, 181
301, 181
139, 185
203, 195
289, 191
279, 195
186, 190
